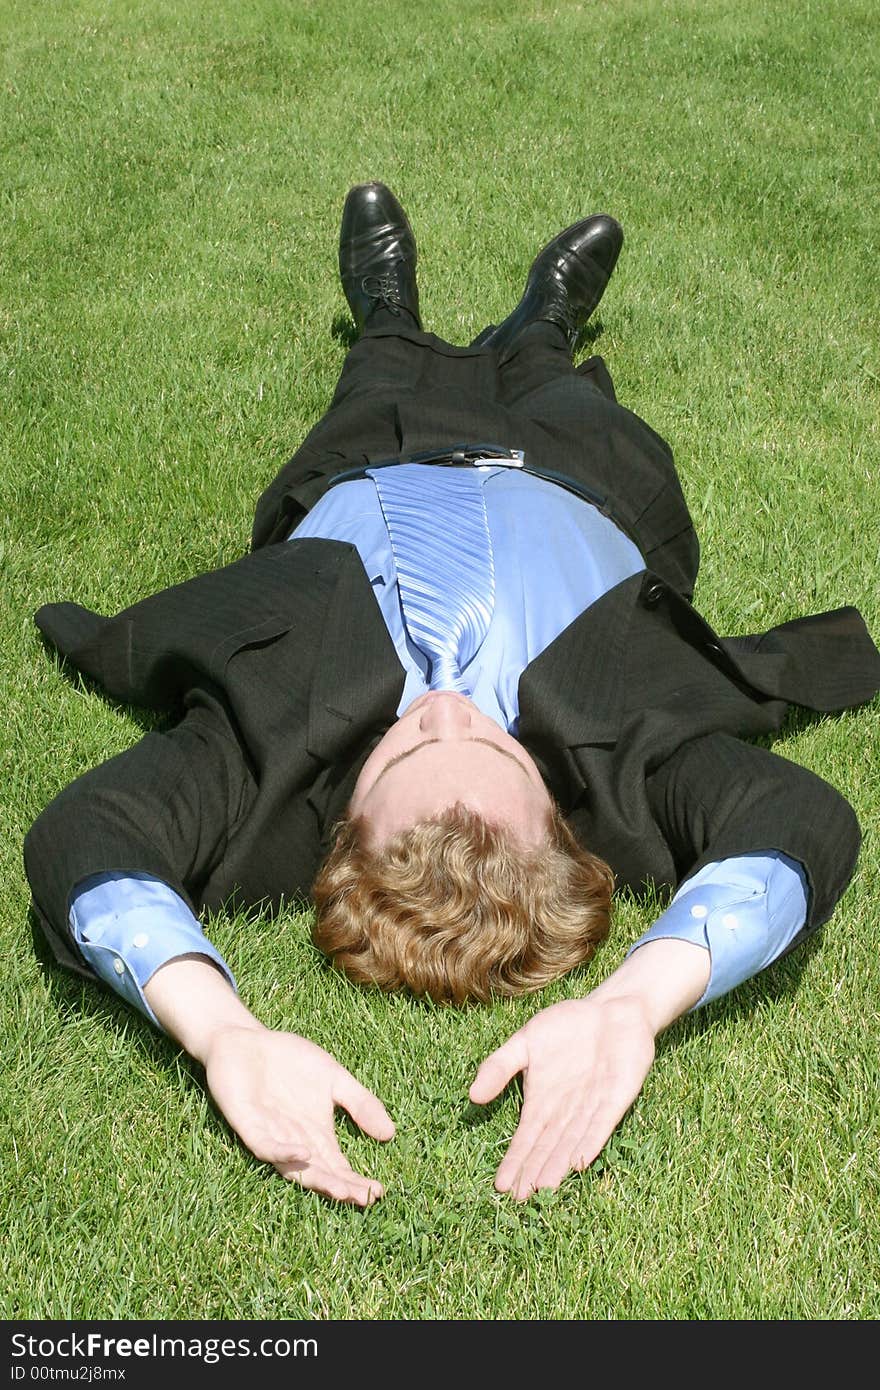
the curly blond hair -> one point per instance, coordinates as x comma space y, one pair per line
457, 909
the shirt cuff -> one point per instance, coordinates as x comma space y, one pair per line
745, 912
128, 925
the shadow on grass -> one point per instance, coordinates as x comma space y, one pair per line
776, 983
344, 331
74, 993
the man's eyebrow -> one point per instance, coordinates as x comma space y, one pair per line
392, 762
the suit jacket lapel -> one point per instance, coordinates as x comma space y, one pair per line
573, 692
358, 680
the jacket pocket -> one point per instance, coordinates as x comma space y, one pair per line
257, 634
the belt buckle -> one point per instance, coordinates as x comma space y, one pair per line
487, 456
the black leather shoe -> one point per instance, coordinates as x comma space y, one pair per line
377, 254
566, 281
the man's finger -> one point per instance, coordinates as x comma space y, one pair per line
365, 1109
598, 1130
276, 1151
573, 1151
578, 1145
500, 1067
341, 1183
526, 1154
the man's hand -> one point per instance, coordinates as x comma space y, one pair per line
584, 1061
278, 1091
583, 1064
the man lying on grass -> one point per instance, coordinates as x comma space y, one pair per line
455, 693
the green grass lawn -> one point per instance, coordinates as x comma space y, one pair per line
170, 328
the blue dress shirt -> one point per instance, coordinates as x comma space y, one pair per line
554, 555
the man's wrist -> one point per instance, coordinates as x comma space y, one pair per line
193, 1002
663, 979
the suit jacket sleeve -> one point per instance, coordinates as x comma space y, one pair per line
166, 807
717, 797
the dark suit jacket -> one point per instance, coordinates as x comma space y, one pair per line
279, 676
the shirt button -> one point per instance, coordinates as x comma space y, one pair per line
118, 966
699, 910
140, 940
730, 921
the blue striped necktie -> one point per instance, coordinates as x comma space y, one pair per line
436, 519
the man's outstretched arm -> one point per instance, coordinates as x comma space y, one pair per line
127, 926
278, 1091
584, 1061
739, 915
163, 811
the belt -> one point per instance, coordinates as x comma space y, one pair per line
451, 456
477, 455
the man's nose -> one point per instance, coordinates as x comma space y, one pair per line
445, 716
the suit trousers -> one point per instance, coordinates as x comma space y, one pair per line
402, 392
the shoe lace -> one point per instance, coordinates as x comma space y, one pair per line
384, 289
